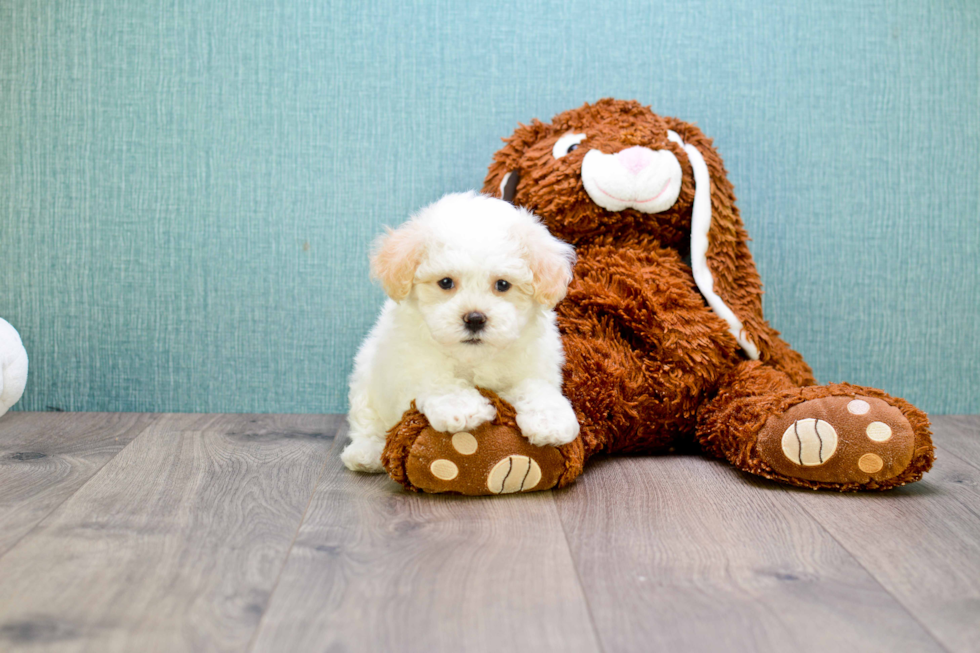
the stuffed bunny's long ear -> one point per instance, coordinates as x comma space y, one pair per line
720, 259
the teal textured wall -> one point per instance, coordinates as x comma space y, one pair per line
188, 189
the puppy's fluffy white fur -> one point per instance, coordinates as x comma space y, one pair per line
421, 348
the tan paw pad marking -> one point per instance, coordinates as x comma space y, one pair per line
443, 469
878, 431
809, 442
464, 443
864, 440
870, 463
514, 474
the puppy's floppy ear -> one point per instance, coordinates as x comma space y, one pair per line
551, 260
395, 257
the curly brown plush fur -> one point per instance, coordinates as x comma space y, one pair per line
650, 365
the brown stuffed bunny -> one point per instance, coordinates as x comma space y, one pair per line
662, 326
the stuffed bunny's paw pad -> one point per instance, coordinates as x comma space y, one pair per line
490, 459
849, 439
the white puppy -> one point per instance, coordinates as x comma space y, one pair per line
472, 282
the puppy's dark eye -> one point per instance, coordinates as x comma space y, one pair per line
446, 284
502, 286
572, 148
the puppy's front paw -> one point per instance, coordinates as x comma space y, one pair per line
363, 455
549, 423
459, 411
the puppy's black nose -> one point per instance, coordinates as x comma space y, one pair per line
474, 321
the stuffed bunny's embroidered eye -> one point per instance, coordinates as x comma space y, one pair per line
566, 144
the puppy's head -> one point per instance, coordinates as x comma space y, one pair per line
478, 269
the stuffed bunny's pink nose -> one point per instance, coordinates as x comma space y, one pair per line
635, 158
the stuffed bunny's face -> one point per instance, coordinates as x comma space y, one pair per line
609, 167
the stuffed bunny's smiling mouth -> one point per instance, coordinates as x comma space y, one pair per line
632, 201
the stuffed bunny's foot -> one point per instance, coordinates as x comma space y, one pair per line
493, 458
836, 437
488, 460
838, 440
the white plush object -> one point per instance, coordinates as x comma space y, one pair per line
635, 178
13, 366
421, 348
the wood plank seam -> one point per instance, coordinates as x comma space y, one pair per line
163, 533
578, 574
366, 543
914, 617
949, 452
966, 462
153, 420
719, 561
340, 438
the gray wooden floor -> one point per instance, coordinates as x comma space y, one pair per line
125, 532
